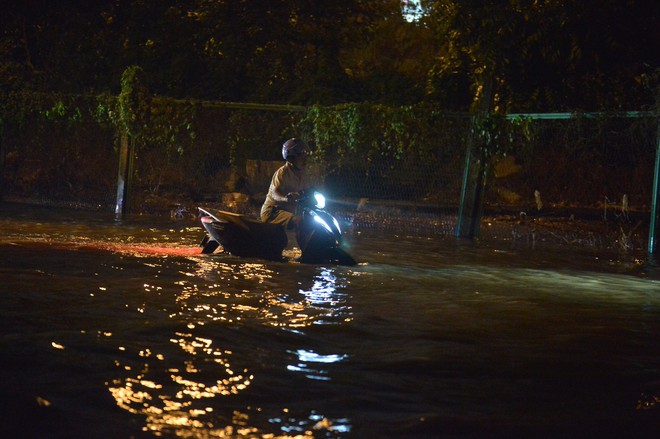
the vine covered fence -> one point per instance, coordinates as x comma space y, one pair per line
64, 149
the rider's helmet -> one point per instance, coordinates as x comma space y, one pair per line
294, 147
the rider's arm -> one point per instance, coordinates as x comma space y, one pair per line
278, 185
277, 196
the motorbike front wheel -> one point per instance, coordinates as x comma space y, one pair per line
334, 255
343, 258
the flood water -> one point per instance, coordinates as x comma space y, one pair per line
124, 330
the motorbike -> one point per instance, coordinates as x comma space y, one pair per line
318, 234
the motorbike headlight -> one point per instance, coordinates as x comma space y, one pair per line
320, 200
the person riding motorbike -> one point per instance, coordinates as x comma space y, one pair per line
286, 185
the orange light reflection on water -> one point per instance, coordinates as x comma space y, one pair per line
177, 393
232, 297
176, 396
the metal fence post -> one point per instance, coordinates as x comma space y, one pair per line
124, 176
471, 202
654, 227
470, 206
2, 165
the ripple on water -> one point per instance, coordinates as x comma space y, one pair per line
427, 335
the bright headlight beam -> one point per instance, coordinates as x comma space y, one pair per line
320, 200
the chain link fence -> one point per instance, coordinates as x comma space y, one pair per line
582, 161
67, 154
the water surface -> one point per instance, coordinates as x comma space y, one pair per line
124, 329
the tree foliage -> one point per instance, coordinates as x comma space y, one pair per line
548, 55
536, 55
382, 139
134, 101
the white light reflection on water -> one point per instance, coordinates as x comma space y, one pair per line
307, 357
300, 427
324, 294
